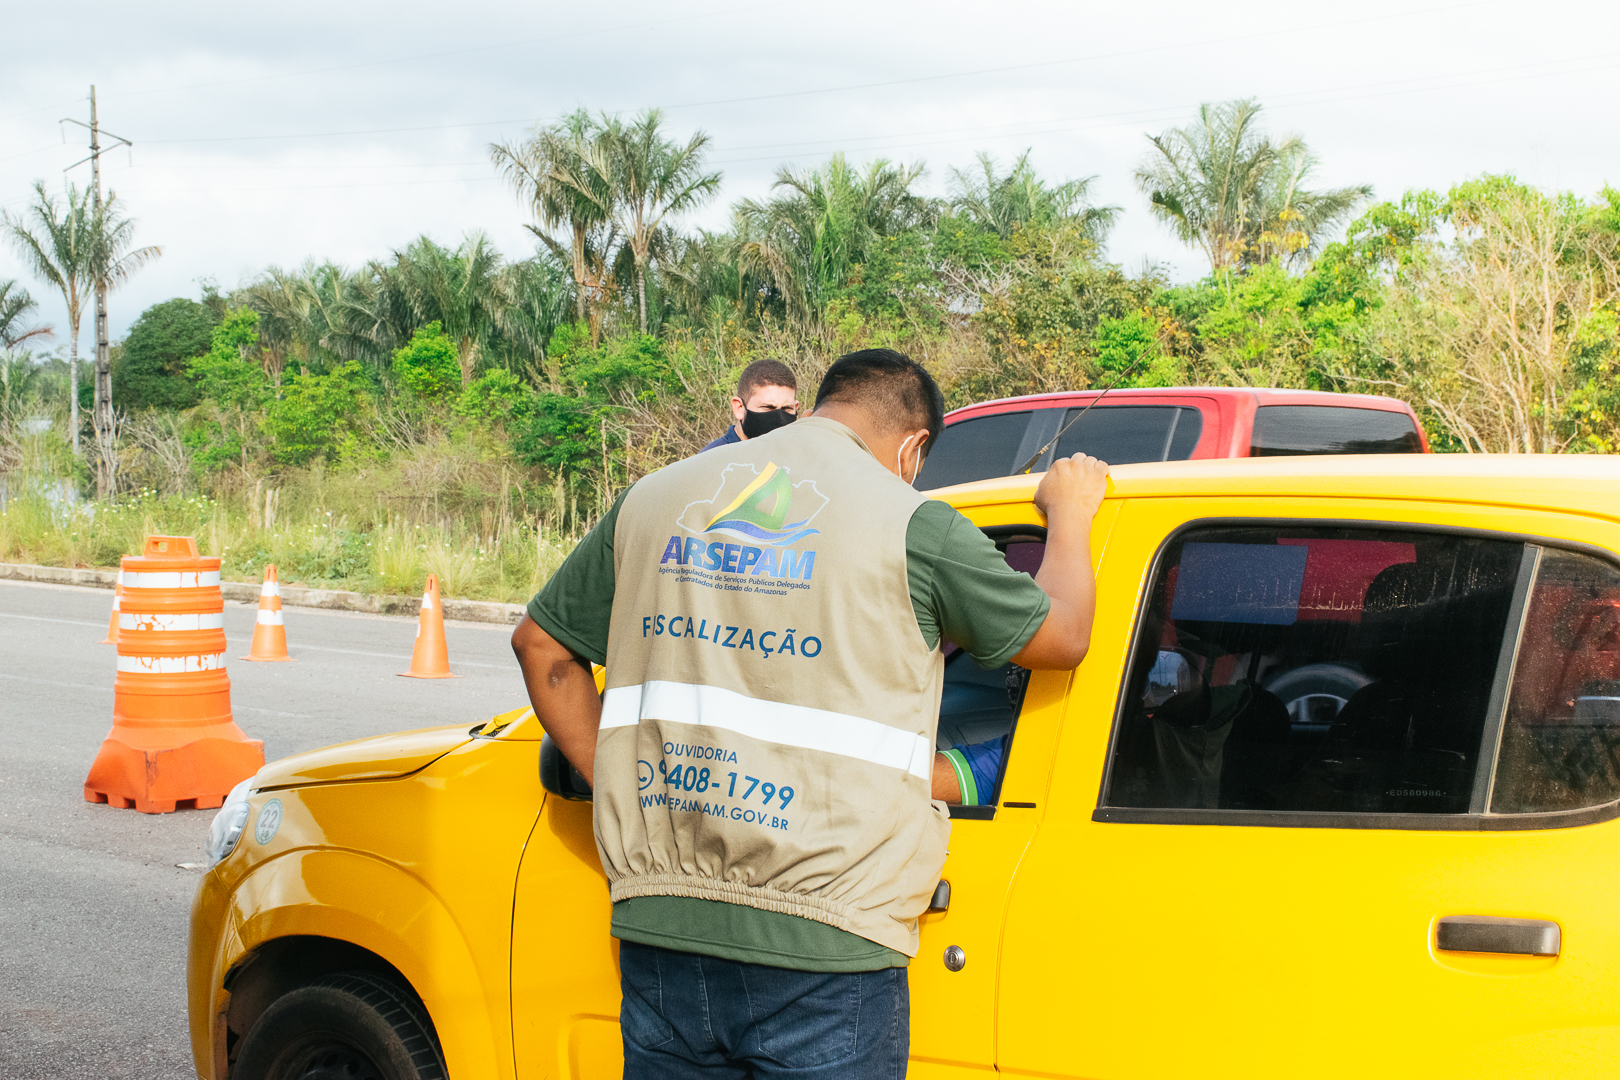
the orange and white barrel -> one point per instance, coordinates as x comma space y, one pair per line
173, 742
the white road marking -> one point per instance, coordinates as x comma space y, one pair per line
405, 657
53, 682
41, 618
294, 647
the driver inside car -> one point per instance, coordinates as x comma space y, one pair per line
965, 775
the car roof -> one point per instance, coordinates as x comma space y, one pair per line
1262, 396
1586, 484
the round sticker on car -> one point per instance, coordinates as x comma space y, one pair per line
269, 821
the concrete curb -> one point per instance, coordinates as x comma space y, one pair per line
248, 593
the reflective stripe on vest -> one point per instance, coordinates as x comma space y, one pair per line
769, 721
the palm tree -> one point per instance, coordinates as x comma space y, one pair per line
807, 240
553, 170
283, 301
539, 302
111, 260
55, 239
654, 179
706, 276
1223, 185
1021, 199
16, 306
350, 315
464, 290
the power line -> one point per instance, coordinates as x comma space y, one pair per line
1122, 119
1028, 129
30, 153
358, 131
1084, 59
463, 51
990, 132
313, 187
320, 166
1124, 54
1153, 113
36, 112
998, 131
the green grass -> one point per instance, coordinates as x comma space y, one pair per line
311, 546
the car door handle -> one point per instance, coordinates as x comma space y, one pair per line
1482, 933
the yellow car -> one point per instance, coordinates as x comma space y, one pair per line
1334, 794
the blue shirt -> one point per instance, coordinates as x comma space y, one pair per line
727, 439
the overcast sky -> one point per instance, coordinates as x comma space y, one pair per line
268, 135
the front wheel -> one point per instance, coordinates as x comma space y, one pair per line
349, 1026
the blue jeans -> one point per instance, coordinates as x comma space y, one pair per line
692, 1017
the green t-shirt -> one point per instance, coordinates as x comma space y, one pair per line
962, 590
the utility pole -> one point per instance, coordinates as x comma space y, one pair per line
101, 416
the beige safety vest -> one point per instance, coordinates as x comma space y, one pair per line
768, 722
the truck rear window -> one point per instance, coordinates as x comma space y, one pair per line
975, 449
1291, 430
982, 447
1127, 434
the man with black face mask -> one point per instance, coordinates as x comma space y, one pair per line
765, 400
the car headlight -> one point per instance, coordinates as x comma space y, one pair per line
229, 823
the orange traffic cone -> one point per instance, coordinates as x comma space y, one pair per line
270, 631
112, 624
431, 657
173, 744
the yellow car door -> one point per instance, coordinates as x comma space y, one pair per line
953, 977
565, 969
1335, 796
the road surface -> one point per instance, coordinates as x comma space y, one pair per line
93, 902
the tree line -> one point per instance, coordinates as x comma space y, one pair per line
612, 347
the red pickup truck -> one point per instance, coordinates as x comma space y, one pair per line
996, 438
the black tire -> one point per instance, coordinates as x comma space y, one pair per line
349, 1026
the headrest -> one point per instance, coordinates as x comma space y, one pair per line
1403, 587
1420, 619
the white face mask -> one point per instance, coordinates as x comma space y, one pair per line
900, 458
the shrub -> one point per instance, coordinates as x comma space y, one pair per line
427, 366
151, 372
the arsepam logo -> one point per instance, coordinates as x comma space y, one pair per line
766, 512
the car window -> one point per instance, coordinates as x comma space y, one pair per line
974, 449
1126, 434
1290, 430
1561, 736
1335, 670
978, 709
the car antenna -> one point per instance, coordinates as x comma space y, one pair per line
1030, 464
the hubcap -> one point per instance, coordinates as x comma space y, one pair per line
336, 1061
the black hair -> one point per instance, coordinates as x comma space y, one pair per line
897, 391
765, 373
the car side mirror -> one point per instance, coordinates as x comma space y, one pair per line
558, 775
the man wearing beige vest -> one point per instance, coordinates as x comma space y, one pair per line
768, 803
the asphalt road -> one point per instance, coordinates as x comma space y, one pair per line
93, 903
